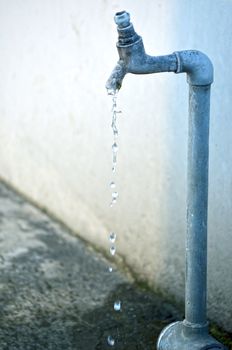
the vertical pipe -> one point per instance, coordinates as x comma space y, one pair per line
197, 205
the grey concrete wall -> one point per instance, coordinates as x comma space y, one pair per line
55, 137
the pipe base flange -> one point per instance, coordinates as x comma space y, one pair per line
175, 337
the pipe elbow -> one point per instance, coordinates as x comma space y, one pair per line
197, 65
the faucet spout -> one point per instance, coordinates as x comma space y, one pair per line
114, 82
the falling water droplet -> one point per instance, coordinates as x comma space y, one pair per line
113, 201
117, 305
112, 237
110, 340
112, 92
112, 250
112, 184
114, 198
110, 269
114, 159
115, 129
115, 147
115, 195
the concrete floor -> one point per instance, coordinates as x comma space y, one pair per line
57, 293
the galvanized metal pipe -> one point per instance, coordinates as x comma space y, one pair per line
197, 199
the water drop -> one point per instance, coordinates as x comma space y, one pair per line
113, 125
110, 269
112, 92
117, 305
115, 133
114, 116
115, 195
114, 200
115, 147
112, 184
113, 168
110, 340
114, 159
112, 250
112, 237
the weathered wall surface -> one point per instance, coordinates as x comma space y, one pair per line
55, 137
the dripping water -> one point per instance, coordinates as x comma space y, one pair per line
117, 305
114, 127
111, 341
112, 250
112, 237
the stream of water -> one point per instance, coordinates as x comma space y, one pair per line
114, 194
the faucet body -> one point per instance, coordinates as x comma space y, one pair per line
133, 59
192, 333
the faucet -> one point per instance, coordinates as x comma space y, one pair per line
191, 333
133, 59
